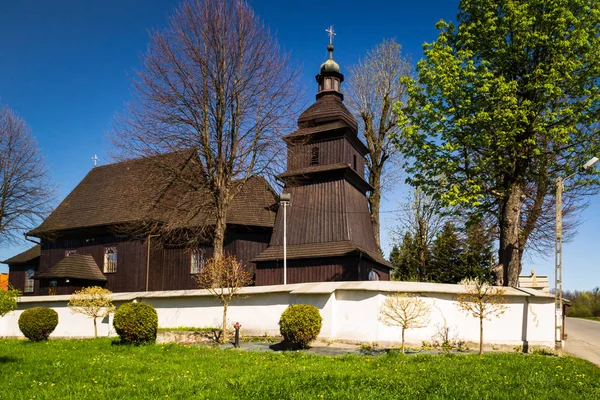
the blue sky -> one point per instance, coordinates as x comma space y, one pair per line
64, 68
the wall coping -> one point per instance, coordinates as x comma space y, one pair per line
307, 288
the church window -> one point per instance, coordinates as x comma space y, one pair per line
29, 281
196, 261
327, 84
110, 259
354, 162
336, 85
373, 275
314, 156
69, 252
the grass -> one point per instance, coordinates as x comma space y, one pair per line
99, 369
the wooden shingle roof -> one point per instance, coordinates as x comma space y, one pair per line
327, 109
74, 266
315, 250
24, 257
127, 192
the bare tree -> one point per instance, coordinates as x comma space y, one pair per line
423, 217
481, 301
94, 301
214, 81
26, 194
404, 310
374, 87
223, 278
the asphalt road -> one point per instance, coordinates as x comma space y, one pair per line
583, 339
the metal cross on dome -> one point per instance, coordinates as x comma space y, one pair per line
331, 33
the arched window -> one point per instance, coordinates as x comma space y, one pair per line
373, 275
29, 282
314, 156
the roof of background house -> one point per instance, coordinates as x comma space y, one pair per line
135, 189
533, 281
24, 257
74, 266
312, 250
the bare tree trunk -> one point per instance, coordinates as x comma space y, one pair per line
375, 203
95, 328
480, 334
403, 329
224, 334
509, 253
219, 238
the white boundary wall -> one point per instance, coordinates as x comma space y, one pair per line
349, 311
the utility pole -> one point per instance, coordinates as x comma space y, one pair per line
558, 255
284, 200
558, 300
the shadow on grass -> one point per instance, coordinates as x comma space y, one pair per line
285, 346
8, 359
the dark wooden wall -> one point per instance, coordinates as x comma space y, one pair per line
333, 151
326, 212
308, 270
131, 258
16, 277
64, 287
366, 265
170, 267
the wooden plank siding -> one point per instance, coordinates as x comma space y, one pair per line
326, 212
131, 258
170, 267
308, 270
330, 152
16, 278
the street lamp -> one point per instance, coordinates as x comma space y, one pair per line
558, 299
284, 200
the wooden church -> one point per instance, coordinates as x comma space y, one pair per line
329, 231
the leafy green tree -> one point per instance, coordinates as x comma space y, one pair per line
405, 260
478, 252
504, 102
8, 300
447, 263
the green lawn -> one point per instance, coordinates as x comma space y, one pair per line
96, 369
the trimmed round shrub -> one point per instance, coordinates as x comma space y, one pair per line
38, 323
136, 323
300, 324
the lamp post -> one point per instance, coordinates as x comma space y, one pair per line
284, 200
558, 299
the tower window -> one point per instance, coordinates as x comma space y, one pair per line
354, 162
314, 156
328, 84
336, 85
